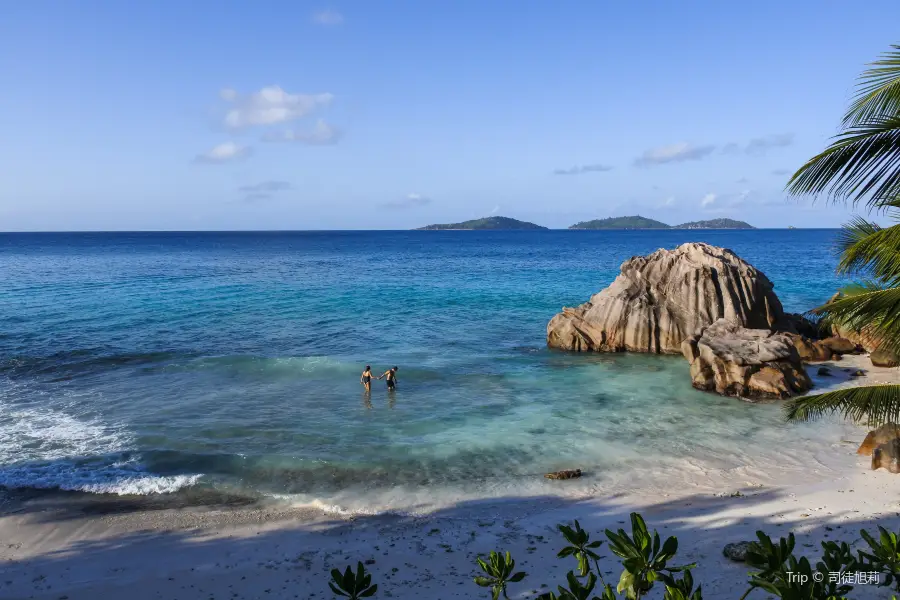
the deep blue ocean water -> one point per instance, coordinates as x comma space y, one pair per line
151, 362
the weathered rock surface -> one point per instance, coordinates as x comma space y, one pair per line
877, 437
659, 300
804, 326
887, 456
737, 551
824, 371
749, 363
564, 474
840, 345
866, 338
810, 350
884, 358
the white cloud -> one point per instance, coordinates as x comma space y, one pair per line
269, 106
328, 17
673, 153
320, 135
496, 210
222, 153
579, 170
781, 172
670, 201
708, 200
412, 200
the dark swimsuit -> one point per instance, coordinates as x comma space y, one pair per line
390, 383
367, 378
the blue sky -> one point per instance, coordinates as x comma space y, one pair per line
390, 115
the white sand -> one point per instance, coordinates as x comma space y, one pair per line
52, 549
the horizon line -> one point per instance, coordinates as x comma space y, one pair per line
404, 230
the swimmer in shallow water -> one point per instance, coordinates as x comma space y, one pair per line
366, 378
391, 375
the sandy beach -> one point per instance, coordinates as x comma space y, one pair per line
78, 547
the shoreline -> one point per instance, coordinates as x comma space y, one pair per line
213, 545
242, 552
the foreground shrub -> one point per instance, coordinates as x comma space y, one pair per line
645, 562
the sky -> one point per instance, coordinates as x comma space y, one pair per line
395, 114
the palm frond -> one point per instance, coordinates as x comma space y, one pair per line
861, 165
878, 90
876, 311
872, 405
867, 249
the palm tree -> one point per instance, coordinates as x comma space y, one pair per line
862, 167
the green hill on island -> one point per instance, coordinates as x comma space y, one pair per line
638, 222
635, 222
716, 224
486, 223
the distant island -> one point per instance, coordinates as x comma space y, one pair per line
715, 224
486, 223
635, 222
638, 222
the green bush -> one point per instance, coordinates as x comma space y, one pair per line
645, 561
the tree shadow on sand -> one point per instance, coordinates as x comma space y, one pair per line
240, 551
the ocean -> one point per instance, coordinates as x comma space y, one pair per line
159, 363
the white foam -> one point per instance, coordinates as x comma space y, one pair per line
38, 433
103, 480
48, 448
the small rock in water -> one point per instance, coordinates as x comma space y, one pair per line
824, 371
737, 551
857, 373
565, 474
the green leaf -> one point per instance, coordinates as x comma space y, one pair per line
626, 581
861, 165
369, 592
875, 405
484, 581
517, 577
583, 566
878, 90
670, 547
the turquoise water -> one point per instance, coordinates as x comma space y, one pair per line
156, 362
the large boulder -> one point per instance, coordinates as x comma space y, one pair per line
805, 327
840, 345
866, 338
810, 350
748, 363
659, 300
877, 437
887, 456
884, 358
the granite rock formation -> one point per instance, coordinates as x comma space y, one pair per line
884, 358
877, 437
658, 301
749, 363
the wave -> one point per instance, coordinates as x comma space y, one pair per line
85, 361
47, 448
116, 478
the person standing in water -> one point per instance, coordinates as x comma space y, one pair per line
391, 375
366, 379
